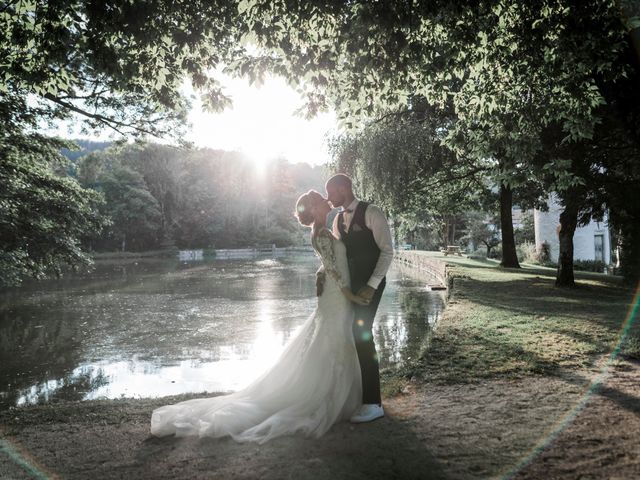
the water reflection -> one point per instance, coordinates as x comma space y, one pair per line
158, 327
407, 311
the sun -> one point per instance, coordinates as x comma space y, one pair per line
263, 125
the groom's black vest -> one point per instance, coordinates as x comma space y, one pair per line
362, 250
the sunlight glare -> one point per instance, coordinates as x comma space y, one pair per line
262, 124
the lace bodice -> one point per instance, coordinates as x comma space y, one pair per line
333, 255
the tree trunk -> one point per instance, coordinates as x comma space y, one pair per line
163, 222
453, 230
445, 232
630, 253
124, 242
568, 223
509, 255
396, 228
488, 249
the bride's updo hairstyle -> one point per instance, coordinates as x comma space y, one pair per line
305, 204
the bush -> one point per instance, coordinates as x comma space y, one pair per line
480, 254
589, 265
527, 253
543, 254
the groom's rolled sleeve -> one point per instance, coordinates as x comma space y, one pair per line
377, 223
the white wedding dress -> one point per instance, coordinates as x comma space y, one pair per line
315, 382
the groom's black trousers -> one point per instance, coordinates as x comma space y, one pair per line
366, 348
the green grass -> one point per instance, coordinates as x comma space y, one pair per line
511, 323
631, 346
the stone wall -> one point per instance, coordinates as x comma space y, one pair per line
421, 261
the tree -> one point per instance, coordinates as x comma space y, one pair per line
134, 211
482, 229
402, 166
43, 216
195, 198
197, 222
526, 233
115, 64
161, 168
507, 69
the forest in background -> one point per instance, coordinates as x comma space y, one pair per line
157, 197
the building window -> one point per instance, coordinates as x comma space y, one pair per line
599, 247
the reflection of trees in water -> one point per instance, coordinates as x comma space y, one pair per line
34, 349
281, 294
73, 386
400, 334
292, 315
106, 275
296, 289
421, 306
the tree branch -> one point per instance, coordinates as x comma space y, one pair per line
109, 122
8, 5
468, 174
391, 114
93, 94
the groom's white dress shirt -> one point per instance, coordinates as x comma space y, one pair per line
375, 220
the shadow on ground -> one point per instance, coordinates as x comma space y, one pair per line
111, 440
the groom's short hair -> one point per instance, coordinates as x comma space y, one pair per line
340, 180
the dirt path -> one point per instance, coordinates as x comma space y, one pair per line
603, 440
455, 431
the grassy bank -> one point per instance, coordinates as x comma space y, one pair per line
510, 323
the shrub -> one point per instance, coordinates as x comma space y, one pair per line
543, 254
480, 254
527, 252
589, 265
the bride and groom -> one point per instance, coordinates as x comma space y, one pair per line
329, 371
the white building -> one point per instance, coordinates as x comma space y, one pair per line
591, 242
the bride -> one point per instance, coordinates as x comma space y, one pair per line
315, 382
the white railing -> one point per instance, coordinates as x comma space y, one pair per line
259, 251
190, 255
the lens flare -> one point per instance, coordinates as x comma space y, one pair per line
592, 388
22, 459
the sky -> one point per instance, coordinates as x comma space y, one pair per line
262, 124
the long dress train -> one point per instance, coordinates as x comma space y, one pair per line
315, 382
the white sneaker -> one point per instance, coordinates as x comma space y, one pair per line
367, 413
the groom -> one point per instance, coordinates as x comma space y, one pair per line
365, 232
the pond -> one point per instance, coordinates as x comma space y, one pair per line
157, 327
